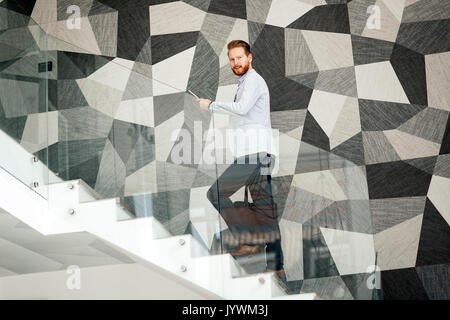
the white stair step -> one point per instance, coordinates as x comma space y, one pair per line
111, 282
21, 260
86, 193
211, 272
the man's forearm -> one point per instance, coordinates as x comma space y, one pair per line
235, 108
218, 107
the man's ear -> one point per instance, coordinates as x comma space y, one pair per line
250, 57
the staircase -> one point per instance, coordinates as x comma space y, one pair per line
72, 207
79, 266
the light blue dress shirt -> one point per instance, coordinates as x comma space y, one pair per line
249, 116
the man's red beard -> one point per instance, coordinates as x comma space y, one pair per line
241, 71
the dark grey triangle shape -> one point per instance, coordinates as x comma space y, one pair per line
201, 4
254, 30
143, 152
357, 285
352, 149
433, 279
425, 164
204, 75
307, 79
317, 259
434, 238
202, 180
100, 8
123, 136
369, 50
347, 215
402, 284
383, 115
341, 81
69, 95
312, 158
167, 106
327, 18
6, 64
235, 8
280, 191
167, 45
442, 167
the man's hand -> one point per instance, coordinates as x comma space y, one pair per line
204, 103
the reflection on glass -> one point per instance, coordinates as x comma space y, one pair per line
24, 74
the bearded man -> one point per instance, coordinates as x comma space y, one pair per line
253, 164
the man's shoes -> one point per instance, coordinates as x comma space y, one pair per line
245, 250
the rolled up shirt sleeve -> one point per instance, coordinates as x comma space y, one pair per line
246, 101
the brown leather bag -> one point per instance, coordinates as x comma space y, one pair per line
252, 223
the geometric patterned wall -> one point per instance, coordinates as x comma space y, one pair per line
372, 104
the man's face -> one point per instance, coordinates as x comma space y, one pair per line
239, 61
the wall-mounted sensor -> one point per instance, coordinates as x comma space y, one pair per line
45, 66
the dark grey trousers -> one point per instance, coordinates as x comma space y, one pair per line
252, 171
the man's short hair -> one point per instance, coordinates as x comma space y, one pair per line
239, 44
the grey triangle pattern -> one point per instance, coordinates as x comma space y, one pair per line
433, 278
351, 149
142, 154
173, 178
307, 79
216, 29
377, 190
418, 125
227, 77
442, 167
145, 55
357, 13
257, 10
100, 8
347, 215
311, 158
201, 4
377, 148
139, 85
426, 164
103, 26
286, 121
202, 180
299, 58
166, 106
387, 213
357, 285
341, 81
83, 123
254, 29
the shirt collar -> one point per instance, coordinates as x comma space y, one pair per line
241, 79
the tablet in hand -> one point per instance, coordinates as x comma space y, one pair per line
196, 97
